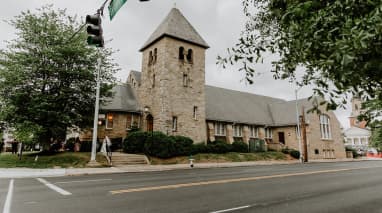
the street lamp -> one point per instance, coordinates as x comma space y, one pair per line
298, 127
146, 109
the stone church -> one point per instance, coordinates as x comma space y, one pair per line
169, 95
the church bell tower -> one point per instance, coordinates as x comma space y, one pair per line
173, 79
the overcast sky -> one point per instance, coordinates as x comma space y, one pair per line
219, 22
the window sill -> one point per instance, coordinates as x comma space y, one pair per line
327, 139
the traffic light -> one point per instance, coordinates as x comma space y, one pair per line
94, 30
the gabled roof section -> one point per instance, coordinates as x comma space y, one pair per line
175, 25
357, 132
137, 75
238, 107
124, 100
284, 114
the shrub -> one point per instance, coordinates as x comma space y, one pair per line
134, 142
285, 151
355, 153
159, 145
116, 143
86, 146
199, 148
69, 145
182, 146
218, 147
295, 154
55, 147
239, 146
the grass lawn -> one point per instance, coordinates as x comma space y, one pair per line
57, 160
221, 158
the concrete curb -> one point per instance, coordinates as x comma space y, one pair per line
31, 173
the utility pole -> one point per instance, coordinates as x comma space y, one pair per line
298, 127
305, 142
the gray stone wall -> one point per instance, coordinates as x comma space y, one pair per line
167, 97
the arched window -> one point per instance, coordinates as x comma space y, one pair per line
153, 80
181, 53
325, 127
150, 57
189, 56
155, 55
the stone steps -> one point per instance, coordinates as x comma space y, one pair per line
123, 159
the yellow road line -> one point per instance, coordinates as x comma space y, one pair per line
175, 186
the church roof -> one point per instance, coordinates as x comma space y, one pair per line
137, 75
124, 100
175, 25
223, 105
242, 107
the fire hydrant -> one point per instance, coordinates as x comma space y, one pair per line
191, 161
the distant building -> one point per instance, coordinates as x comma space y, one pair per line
170, 95
357, 136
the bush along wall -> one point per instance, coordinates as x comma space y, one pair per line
239, 146
134, 142
294, 153
158, 144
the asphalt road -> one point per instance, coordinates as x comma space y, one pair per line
318, 187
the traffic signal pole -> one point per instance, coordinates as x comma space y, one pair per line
96, 111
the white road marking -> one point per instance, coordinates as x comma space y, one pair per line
231, 210
82, 181
8, 200
53, 187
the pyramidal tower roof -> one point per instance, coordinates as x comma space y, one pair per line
175, 25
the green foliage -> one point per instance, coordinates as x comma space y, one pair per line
183, 145
47, 160
27, 132
199, 148
337, 42
48, 74
292, 152
219, 147
116, 144
355, 153
295, 154
159, 145
134, 142
69, 144
376, 138
239, 146
86, 146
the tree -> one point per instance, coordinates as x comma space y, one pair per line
48, 75
339, 43
376, 137
26, 133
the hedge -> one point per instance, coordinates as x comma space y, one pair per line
159, 145
134, 142
239, 146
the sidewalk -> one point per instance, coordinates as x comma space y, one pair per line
30, 173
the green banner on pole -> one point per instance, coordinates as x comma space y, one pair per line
114, 6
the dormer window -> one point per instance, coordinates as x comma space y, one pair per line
181, 53
189, 56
